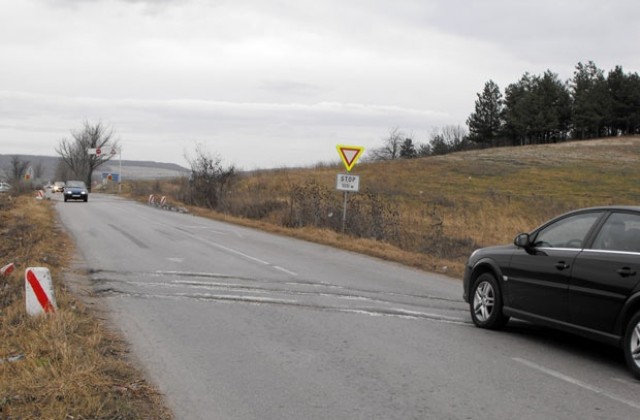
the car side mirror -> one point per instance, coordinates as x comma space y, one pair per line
522, 241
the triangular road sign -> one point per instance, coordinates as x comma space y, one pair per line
349, 155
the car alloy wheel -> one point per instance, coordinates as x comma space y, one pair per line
486, 305
632, 345
484, 301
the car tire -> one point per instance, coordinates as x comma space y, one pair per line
65, 199
86, 199
485, 303
631, 345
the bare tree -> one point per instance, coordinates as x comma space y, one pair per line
38, 170
75, 151
18, 168
392, 146
63, 173
424, 149
448, 139
210, 181
455, 135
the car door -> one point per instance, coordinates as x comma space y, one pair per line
538, 276
606, 273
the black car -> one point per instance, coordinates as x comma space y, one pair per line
579, 272
75, 190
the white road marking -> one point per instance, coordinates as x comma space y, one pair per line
224, 248
575, 381
247, 256
284, 270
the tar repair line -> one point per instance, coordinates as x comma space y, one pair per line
574, 381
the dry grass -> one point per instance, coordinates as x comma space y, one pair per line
432, 212
69, 365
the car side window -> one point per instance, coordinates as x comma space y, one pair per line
621, 232
569, 232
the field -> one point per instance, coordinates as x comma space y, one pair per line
432, 212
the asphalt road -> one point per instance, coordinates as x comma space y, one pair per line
235, 323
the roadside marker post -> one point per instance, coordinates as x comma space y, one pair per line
7, 269
39, 294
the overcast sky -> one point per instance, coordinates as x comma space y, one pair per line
270, 83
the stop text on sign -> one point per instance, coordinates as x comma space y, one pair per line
348, 182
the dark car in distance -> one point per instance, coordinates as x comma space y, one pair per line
75, 190
579, 272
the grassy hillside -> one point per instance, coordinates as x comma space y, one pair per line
432, 212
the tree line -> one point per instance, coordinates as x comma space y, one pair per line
537, 109
442, 140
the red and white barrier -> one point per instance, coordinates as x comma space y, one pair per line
163, 201
39, 291
152, 199
40, 195
7, 269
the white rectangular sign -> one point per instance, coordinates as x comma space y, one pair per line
103, 151
346, 182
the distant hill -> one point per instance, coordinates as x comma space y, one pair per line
131, 169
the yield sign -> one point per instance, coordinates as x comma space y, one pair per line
349, 155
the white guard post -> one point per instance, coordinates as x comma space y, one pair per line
40, 297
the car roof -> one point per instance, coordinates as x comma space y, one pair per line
610, 208
595, 208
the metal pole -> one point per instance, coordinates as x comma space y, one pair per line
344, 212
120, 174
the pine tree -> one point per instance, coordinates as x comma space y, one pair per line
408, 150
591, 102
485, 123
624, 91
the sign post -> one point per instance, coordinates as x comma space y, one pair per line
100, 151
347, 182
28, 176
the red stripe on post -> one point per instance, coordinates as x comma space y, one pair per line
42, 297
7, 269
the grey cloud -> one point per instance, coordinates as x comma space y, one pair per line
236, 124
546, 31
287, 88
